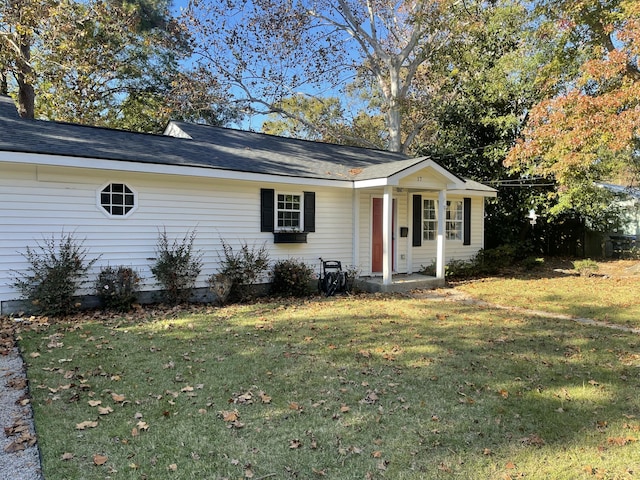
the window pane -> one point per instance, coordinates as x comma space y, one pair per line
454, 220
429, 217
289, 211
117, 199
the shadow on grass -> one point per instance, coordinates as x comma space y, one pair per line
381, 386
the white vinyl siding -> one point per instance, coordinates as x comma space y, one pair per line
41, 202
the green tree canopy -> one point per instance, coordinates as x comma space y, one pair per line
588, 131
111, 63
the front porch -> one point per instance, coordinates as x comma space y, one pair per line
399, 283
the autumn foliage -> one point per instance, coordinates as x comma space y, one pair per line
590, 131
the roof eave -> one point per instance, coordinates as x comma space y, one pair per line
164, 169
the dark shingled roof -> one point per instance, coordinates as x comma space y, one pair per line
186, 144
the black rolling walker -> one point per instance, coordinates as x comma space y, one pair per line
332, 278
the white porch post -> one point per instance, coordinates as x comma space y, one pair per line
387, 242
355, 246
442, 220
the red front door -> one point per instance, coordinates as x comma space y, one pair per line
376, 236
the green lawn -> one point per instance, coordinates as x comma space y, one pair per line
612, 299
369, 387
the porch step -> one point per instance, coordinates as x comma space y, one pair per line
400, 283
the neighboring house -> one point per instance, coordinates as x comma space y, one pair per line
624, 239
628, 203
381, 212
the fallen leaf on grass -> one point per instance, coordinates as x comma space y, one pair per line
533, 439
118, 398
294, 444
173, 467
620, 441
229, 415
100, 459
371, 398
264, 397
142, 425
86, 424
66, 456
104, 410
94, 403
295, 406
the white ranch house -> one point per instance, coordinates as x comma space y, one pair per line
381, 212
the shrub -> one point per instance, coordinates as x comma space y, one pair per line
429, 270
531, 263
117, 287
220, 285
493, 260
586, 267
244, 267
57, 269
353, 274
292, 278
462, 268
177, 267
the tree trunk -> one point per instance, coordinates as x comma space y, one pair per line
394, 114
26, 99
4, 84
394, 119
24, 78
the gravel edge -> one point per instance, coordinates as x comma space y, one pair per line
23, 464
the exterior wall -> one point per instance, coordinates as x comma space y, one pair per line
38, 202
425, 254
410, 258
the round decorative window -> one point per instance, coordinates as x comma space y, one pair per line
117, 199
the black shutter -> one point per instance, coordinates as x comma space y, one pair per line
309, 211
466, 227
417, 221
267, 205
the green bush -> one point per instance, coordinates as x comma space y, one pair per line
244, 267
117, 287
462, 268
57, 269
586, 268
292, 278
177, 267
531, 263
220, 285
493, 260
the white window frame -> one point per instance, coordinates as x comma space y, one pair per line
107, 207
429, 224
299, 211
455, 220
